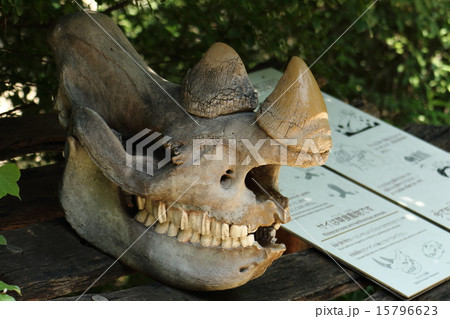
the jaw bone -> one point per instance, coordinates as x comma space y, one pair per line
185, 265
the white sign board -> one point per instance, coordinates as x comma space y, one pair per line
357, 224
400, 250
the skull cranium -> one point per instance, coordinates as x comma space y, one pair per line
214, 220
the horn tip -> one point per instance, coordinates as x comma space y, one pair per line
296, 108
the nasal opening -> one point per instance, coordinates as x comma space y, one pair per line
263, 182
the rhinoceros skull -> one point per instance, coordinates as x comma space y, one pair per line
206, 220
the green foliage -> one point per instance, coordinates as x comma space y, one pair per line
4, 288
395, 57
2, 241
9, 175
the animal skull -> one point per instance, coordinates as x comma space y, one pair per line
214, 221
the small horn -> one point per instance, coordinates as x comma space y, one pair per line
382, 264
218, 84
389, 260
296, 109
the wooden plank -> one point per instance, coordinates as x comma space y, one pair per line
36, 133
437, 135
305, 275
39, 193
440, 293
152, 292
49, 260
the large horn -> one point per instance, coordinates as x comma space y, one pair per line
218, 84
296, 109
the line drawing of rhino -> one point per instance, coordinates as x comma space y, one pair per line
401, 262
433, 249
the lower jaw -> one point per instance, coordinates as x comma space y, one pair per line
215, 265
194, 267
97, 214
182, 265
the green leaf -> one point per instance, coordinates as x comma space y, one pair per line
4, 286
9, 175
4, 297
18, 4
6, 7
2, 240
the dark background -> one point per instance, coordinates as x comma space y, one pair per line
395, 59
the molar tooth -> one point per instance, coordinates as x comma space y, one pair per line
251, 239
216, 241
195, 239
140, 201
141, 216
244, 241
162, 228
216, 228
225, 230
237, 231
206, 240
173, 230
195, 221
184, 235
162, 217
184, 220
206, 224
235, 243
226, 243
150, 220
174, 215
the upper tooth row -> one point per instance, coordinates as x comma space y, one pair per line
196, 227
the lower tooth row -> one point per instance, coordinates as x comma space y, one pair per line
188, 235
205, 231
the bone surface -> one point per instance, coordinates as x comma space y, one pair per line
209, 225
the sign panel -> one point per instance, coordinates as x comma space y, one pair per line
398, 249
358, 207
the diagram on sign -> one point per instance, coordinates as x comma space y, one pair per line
401, 262
342, 193
354, 157
433, 249
349, 123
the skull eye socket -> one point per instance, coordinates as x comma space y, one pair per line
225, 180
